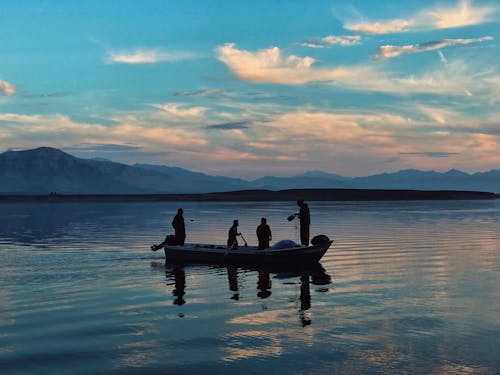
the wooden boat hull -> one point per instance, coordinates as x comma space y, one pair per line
202, 253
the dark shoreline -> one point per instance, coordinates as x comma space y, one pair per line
263, 195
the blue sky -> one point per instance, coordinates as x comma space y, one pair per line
256, 88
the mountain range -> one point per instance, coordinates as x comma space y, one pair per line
44, 170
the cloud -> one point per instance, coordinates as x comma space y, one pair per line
106, 147
7, 88
263, 137
442, 58
269, 66
57, 94
430, 154
146, 56
138, 129
383, 27
461, 15
378, 136
464, 14
199, 92
342, 40
333, 129
230, 125
145, 136
389, 51
178, 110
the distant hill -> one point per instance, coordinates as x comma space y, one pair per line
411, 179
44, 170
202, 181
308, 180
430, 180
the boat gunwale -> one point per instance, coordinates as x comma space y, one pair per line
220, 254
242, 250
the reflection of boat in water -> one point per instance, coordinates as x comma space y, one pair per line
293, 254
298, 276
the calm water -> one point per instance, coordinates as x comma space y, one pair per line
408, 287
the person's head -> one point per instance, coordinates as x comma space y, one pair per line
300, 202
235, 223
263, 220
180, 211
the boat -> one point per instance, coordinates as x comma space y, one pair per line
282, 253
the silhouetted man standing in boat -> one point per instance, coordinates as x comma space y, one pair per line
305, 221
179, 228
232, 240
264, 234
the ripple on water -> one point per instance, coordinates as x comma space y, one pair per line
407, 287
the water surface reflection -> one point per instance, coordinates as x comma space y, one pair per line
415, 290
237, 280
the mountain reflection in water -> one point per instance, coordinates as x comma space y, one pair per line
316, 275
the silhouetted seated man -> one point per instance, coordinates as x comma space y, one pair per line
180, 232
264, 234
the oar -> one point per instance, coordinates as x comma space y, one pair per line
228, 248
243, 238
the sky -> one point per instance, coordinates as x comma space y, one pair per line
247, 89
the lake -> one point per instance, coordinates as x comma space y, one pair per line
407, 287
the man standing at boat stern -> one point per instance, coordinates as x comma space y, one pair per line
179, 227
263, 234
305, 221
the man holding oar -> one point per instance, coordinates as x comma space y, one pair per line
232, 240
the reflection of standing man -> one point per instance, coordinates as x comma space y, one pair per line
179, 228
305, 221
305, 300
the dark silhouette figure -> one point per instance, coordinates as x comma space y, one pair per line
232, 277
263, 285
305, 221
180, 286
180, 232
179, 227
264, 234
232, 240
305, 300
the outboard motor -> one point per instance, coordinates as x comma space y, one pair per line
320, 239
